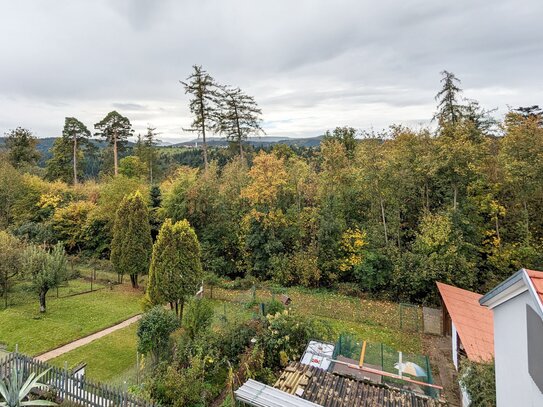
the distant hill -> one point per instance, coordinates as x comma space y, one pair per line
45, 145
264, 141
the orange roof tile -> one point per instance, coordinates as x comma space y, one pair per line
474, 323
537, 281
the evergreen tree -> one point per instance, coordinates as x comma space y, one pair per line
131, 244
239, 116
21, 145
116, 129
176, 270
59, 166
149, 143
203, 105
67, 150
449, 110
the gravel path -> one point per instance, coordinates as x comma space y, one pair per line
87, 339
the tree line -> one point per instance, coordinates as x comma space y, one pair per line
385, 213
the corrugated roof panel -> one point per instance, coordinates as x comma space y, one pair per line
260, 395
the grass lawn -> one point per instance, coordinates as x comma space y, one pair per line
66, 319
111, 359
372, 320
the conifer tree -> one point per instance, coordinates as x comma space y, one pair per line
21, 145
239, 116
176, 270
449, 109
149, 144
203, 105
131, 244
116, 129
67, 150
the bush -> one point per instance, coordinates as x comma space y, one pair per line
236, 338
286, 337
374, 273
479, 380
154, 331
273, 307
198, 317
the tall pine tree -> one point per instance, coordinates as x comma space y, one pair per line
67, 150
203, 105
116, 129
239, 116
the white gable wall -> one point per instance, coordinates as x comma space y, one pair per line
514, 385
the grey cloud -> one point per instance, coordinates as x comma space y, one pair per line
309, 63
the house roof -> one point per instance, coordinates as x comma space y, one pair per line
327, 389
473, 322
537, 281
523, 280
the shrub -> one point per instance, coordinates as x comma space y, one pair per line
273, 307
198, 317
479, 380
154, 331
287, 335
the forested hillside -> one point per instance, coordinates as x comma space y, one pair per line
387, 214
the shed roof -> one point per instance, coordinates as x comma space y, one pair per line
327, 389
259, 395
473, 322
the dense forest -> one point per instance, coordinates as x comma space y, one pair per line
386, 214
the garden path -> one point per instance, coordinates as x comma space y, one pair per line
85, 340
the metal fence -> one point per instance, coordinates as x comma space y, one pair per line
387, 359
67, 386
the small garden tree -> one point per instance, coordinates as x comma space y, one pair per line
10, 262
154, 331
132, 243
45, 269
198, 317
176, 271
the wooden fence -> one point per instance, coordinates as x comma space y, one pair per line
67, 386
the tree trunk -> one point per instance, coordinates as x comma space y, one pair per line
384, 219
177, 308
43, 293
181, 307
115, 164
527, 216
498, 230
239, 132
75, 160
203, 118
455, 196
134, 280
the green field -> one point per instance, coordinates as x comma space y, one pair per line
111, 359
371, 320
67, 318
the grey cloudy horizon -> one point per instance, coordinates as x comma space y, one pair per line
312, 65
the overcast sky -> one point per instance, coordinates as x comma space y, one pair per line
311, 65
